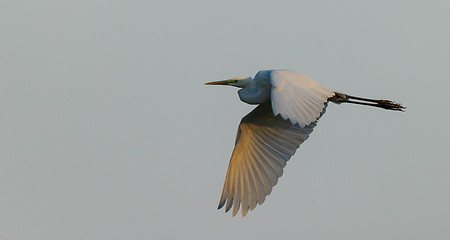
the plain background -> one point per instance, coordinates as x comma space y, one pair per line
107, 131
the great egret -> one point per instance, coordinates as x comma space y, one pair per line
290, 104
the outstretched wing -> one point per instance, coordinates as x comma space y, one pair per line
297, 97
264, 143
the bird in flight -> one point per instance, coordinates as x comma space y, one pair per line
290, 104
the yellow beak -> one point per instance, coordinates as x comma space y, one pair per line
223, 82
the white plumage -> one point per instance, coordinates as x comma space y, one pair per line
290, 105
297, 97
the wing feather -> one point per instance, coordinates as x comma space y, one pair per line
297, 97
247, 192
259, 182
254, 187
264, 176
264, 144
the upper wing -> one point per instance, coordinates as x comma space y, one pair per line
297, 97
264, 143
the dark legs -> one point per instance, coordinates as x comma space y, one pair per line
386, 104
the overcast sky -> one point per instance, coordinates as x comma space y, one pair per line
107, 131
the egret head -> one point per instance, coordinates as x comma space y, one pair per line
239, 82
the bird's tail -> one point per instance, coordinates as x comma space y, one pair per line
386, 104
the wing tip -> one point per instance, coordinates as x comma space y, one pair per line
229, 205
244, 211
221, 203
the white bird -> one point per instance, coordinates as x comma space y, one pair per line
290, 105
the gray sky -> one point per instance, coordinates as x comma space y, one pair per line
107, 131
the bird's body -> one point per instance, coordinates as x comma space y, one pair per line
290, 105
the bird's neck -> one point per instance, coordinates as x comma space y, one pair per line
253, 93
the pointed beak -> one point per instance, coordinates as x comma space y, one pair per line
224, 82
